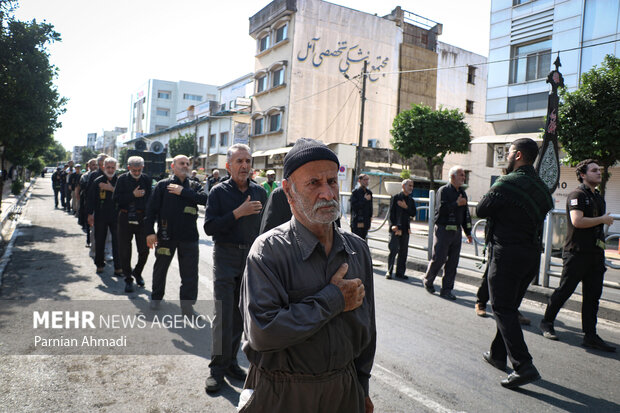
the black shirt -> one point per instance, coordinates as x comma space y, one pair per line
220, 221
276, 212
56, 179
123, 193
361, 208
448, 212
592, 205
401, 217
177, 214
100, 201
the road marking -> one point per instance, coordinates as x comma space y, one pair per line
394, 380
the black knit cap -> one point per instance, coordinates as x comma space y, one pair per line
307, 150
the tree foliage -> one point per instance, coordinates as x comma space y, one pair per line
29, 101
589, 118
54, 153
182, 145
430, 134
87, 155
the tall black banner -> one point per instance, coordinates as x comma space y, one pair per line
548, 164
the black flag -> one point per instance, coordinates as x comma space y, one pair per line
548, 164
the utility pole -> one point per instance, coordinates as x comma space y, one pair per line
358, 150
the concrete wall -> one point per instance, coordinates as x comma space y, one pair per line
417, 87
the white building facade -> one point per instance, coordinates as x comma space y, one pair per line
155, 104
526, 38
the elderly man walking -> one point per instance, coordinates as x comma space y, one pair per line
307, 300
232, 218
402, 208
451, 214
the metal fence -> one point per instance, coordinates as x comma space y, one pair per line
548, 260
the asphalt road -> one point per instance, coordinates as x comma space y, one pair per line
428, 352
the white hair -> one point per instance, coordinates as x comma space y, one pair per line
406, 181
452, 172
236, 147
135, 161
110, 160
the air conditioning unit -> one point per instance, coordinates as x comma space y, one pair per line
373, 143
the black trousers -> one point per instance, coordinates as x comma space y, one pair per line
68, 193
63, 189
228, 267
589, 269
56, 192
188, 269
101, 232
482, 296
361, 232
399, 245
126, 232
511, 269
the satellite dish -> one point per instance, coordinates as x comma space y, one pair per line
140, 145
157, 147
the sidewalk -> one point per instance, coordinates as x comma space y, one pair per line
11, 206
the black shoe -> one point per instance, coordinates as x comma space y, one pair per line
139, 280
213, 384
402, 277
495, 363
429, 288
525, 376
190, 314
448, 296
547, 330
236, 372
129, 286
597, 343
155, 304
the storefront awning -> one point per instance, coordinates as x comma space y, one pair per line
270, 152
506, 138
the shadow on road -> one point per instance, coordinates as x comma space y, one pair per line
570, 400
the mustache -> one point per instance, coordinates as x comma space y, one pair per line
321, 204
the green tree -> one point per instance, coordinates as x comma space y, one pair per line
36, 165
54, 153
182, 145
29, 101
430, 134
87, 155
589, 118
123, 155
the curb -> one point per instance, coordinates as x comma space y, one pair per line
608, 310
6, 257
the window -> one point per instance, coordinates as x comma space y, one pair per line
281, 33
278, 77
257, 127
274, 122
471, 74
517, 2
469, 107
189, 96
223, 139
212, 139
527, 102
600, 18
163, 112
160, 128
263, 43
222, 107
231, 104
201, 143
161, 94
530, 62
261, 84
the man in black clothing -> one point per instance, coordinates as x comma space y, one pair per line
277, 211
67, 185
174, 206
232, 218
83, 191
56, 185
62, 179
361, 207
102, 215
515, 208
402, 208
131, 194
583, 256
451, 214
73, 183
214, 179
